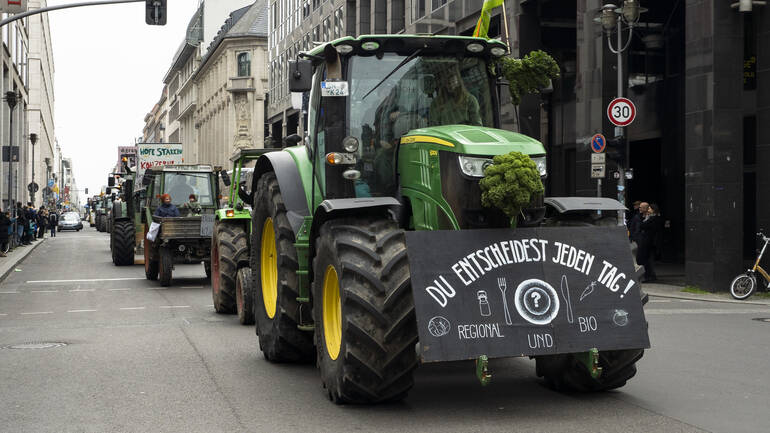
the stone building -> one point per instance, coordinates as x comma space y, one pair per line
231, 81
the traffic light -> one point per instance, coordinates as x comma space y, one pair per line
155, 14
616, 150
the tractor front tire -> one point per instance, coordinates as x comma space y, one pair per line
122, 243
275, 283
567, 373
166, 265
229, 251
244, 297
363, 310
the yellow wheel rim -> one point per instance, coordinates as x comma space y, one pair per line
332, 313
269, 269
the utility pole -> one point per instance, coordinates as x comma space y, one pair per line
11, 100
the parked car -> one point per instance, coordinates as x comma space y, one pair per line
70, 221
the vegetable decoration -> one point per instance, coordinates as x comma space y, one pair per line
510, 183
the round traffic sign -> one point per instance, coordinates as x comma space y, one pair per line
598, 143
621, 111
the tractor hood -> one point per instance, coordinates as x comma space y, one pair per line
474, 140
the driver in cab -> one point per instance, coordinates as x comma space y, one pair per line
166, 209
453, 105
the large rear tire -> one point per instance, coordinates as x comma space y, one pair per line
229, 251
244, 297
364, 311
123, 240
166, 266
273, 263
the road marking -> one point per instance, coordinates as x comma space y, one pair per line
117, 290
8, 293
133, 308
43, 291
192, 287
174, 306
95, 280
82, 290
157, 288
80, 311
3, 314
37, 312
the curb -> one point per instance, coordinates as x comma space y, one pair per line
21, 258
663, 294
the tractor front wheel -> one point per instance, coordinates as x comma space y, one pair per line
122, 243
363, 311
274, 278
244, 297
229, 250
166, 265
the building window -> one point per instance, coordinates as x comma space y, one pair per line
338, 23
419, 9
438, 3
244, 65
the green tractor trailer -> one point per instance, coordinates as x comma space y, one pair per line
371, 251
230, 272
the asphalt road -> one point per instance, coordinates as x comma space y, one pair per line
140, 358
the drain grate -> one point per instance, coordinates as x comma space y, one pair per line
762, 319
35, 345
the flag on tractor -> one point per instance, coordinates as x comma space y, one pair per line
482, 27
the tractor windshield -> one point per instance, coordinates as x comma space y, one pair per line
425, 91
180, 186
420, 92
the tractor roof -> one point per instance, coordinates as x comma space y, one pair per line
199, 168
407, 44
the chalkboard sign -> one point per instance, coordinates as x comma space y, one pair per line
523, 292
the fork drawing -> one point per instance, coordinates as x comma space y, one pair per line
501, 284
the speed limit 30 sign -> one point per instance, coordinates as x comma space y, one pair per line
621, 111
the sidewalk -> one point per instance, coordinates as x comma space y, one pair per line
671, 282
15, 257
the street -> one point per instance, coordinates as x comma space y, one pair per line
133, 356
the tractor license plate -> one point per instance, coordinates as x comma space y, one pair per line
524, 292
334, 88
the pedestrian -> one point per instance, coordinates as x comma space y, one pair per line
651, 226
634, 223
22, 224
5, 225
32, 217
42, 222
53, 221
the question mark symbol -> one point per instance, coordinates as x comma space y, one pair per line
536, 299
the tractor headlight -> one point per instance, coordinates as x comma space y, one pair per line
473, 166
541, 166
350, 144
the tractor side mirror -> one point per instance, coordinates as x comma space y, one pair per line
300, 75
225, 178
292, 140
110, 181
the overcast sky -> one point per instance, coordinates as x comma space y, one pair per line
109, 68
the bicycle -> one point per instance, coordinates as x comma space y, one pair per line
745, 284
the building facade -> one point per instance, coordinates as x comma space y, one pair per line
40, 112
231, 82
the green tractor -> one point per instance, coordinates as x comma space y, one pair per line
230, 272
400, 131
103, 205
125, 217
193, 189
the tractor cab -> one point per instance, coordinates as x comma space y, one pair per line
193, 187
405, 116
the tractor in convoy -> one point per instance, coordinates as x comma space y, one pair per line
230, 272
125, 216
193, 190
371, 251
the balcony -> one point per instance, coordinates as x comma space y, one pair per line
241, 84
174, 112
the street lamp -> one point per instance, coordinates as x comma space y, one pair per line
33, 185
612, 18
11, 98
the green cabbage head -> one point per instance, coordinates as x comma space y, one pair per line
510, 183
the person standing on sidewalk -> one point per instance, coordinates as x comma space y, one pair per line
650, 228
53, 221
5, 231
42, 222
